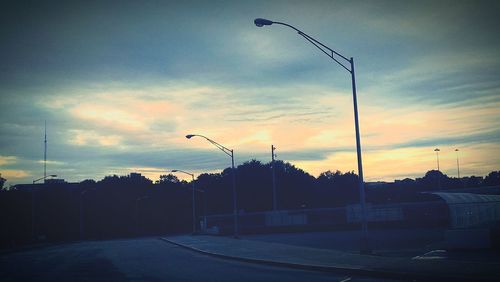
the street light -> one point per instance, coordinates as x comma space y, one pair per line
458, 165
193, 201
336, 57
33, 203
437, 156
230, 153
43, 177
438, 175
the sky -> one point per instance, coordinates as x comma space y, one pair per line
120, 84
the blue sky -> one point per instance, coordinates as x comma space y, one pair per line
121, 83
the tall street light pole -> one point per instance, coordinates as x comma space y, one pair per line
230, 153
437, 156
458, 165
193, 200
275, 205
365, 248
437, 159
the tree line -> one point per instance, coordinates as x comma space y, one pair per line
125, 206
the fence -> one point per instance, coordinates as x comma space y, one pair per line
453, 214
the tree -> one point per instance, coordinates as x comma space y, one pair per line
294, 187
254, 185
492, 179
2, 181
169, 178
336, 188
432, 180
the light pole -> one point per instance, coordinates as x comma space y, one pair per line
275, 205
33, 203
230, 153
193, 200
438, 174
458, 165
42, 178
365, 248
437, 156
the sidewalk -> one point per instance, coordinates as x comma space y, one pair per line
335, 261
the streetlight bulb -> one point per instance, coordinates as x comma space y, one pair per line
262, 22
189, 136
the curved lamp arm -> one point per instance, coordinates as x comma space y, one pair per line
178, 170
322, 47
227, 151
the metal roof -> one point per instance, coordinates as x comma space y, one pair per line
466, 198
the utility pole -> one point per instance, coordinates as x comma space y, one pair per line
458, 165
275, 207
45, 154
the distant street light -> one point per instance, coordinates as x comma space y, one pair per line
43, 177
365, 248
193, 200
33, 199
230, 153
438, 175
458, 165
437, 156
273, 155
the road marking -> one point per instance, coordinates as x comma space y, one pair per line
345, 280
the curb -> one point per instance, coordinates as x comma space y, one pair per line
333, 269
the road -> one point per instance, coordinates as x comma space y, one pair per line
144, 259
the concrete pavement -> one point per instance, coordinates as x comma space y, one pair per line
335, 261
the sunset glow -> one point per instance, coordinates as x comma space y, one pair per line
120, 91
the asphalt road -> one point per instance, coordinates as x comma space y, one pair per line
145, 259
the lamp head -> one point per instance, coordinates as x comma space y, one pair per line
436, 150
53, 175
189, 136
262, 22
174, 170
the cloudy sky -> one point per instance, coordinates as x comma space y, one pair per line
121, 83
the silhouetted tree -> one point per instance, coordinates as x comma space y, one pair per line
169, 178
336, 189
472, 181
432, 180
492, 179
254, 185
293, 186
2, 181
